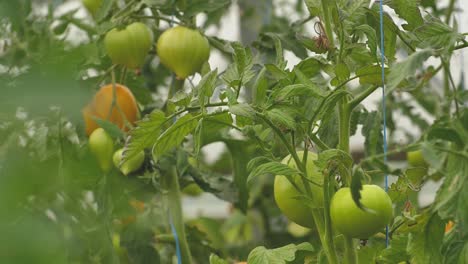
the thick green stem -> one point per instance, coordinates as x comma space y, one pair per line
172, 197
350, 251
450, 11
327, 20
360, 97
344, 120
172, 194
344, 134
327, 243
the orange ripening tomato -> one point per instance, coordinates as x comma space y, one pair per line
449, 226
125, 108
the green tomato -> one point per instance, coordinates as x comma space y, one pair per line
130, 45
416, 159
192, 190
92, 5
354, 222
102, 147
286, 195
131, 165
183, 50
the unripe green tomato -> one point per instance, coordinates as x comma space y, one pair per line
192, 190
416, 159
92, 5
131, 165
129, 46
354, 222
286, 195
183, 50
102, 147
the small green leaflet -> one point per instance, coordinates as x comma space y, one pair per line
282, 255
272, 167
409, 11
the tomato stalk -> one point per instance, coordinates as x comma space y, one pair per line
350, 251
172, 197
344, 134
172, 194
328, 27
317, 214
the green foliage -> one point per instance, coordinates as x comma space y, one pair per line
260, 107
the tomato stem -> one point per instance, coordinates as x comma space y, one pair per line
350, 251
172, 194
328, 27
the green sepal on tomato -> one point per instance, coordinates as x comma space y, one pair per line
101, 146
287, 196
183, 50
354, 222
129, 46
130, 165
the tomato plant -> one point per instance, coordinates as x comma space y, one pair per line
287, 196
130, 165
115, 104
254, 131
183, 50
364, 222
102, 147
129, 46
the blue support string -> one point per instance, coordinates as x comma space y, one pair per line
176, 239
384, 114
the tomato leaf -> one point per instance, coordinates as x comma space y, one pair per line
425, 246
356, 186
175, 134
214, 259
282, 255
145, 134
272, 167
406, 68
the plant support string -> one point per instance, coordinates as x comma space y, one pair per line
384, 115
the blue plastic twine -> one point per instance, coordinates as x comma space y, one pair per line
382, 56
176, 238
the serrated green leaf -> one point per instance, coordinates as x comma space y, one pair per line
371, 74
409, 11
425, 246
145, 134
284, 117
436, 34
406, 68
260, 88
282, 255
244, 110
371, 37
175, 134
272, 167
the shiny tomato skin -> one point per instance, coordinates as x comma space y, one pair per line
183, 50
354, 222
101, 145
130, 45
130, 165
286, 195
416, 159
